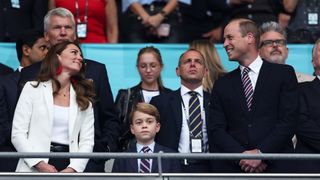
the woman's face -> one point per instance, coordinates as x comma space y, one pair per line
149, 68
70, 59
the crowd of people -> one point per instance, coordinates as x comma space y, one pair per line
59, 101
161, 21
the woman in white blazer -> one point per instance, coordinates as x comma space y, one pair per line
54, 113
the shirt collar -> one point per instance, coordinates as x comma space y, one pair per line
254, 66
140, 146
185, 90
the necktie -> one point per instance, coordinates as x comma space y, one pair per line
195, 121
247, 86
145, 163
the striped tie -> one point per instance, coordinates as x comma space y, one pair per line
195, 121
247, 86
145, 163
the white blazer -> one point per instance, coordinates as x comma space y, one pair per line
32, 126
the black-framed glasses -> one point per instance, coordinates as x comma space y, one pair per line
269, 43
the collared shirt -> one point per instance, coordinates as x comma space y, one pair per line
127, 3
20, 68
139, 148
184, 143
255, 67
318, 76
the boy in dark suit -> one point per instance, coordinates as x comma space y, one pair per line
144, 124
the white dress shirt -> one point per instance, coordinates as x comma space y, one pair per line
255, 67
139, 148
184, 143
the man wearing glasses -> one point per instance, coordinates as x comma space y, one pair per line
273, 46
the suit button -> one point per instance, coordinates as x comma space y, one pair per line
71, 142
249, 125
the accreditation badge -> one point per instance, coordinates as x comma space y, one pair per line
82, 30
195, 145
313, 18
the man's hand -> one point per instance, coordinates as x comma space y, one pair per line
214, 35
45, 167
252, 165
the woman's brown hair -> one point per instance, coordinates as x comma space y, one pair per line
82, 86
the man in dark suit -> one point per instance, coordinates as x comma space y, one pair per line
254, 107
59, 26
308, 128
17, 16
144, 125
5, 69
31, 47
176, 118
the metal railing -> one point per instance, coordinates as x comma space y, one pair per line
160, 175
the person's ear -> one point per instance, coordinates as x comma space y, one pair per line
26, 50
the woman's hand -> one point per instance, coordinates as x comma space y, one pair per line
68, 170
45, 167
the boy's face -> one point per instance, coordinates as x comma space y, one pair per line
144, 127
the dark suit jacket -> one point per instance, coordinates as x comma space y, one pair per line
124, 105
131, 165
308, 128
106, 123
268, 126
5, 69
16, 20
169, 107
8, 100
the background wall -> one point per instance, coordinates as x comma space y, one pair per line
120, 60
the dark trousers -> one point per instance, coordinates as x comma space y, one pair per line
59, 163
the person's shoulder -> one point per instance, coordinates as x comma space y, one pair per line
163, 148
166, 96
93, 63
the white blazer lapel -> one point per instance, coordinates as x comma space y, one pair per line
73, 112
47, 91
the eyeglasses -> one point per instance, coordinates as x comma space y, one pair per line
277, 42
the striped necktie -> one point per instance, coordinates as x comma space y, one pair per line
195, 121
247, 86
145, 163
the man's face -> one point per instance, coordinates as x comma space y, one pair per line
316, 57
38, 51
273, 47
60, 29
192, 68
235, 45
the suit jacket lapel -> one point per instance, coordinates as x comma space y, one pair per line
175, 105
155, 160
133, 162
260, 85
47, 91
206, 105
73, 111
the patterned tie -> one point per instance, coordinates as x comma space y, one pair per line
195, 121
145, 163
247, 86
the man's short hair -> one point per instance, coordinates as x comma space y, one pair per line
29, 38
147, 109
272, 26
61, 12
191, 49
